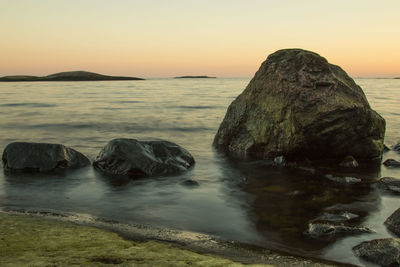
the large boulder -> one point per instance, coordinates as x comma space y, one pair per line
384, 252
41, 157
136, 159
393, 222
301, 107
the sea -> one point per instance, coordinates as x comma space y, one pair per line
246, 202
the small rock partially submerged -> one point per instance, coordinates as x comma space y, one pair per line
41, 157
325, 230
385, 252
393, 222
389, 184
190, 183
396, 147
391, 163
343, 180
296, 193
136, 159
336, 217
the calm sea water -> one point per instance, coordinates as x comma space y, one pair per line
246, 202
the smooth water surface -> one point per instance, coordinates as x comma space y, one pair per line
249, 202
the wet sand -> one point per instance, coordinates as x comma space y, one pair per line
41, 239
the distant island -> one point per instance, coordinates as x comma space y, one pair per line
66, 76
194, 77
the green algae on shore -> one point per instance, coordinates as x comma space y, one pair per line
33, 241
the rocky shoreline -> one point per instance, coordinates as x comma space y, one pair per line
81, 239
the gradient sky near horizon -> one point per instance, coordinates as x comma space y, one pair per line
224, 38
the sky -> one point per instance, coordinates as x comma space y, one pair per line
163, 38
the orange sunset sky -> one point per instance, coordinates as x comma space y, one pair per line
149, 38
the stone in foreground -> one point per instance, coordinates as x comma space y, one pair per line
41, 157
385, 252
393, 222
301, 107
391, 163
137, 159
326, 230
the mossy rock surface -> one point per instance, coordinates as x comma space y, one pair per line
301, 107
28, 241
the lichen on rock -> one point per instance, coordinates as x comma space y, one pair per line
301, 107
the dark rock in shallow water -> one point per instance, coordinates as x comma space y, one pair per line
385, 252
396, 148
325, 230
393, 222
136, 159
343, 180
299, 106
336, 217
391, 163
389, 184
41, 157
385, 149
296, 193
190, 183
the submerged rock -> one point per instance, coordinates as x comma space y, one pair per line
325, 230
336, 217
343, 180
393, 222
389, 184
391, 163
385, 252
299, 106
41, 157
296, 193
136, 159
190, 183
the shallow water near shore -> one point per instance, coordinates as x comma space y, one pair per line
250, 202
